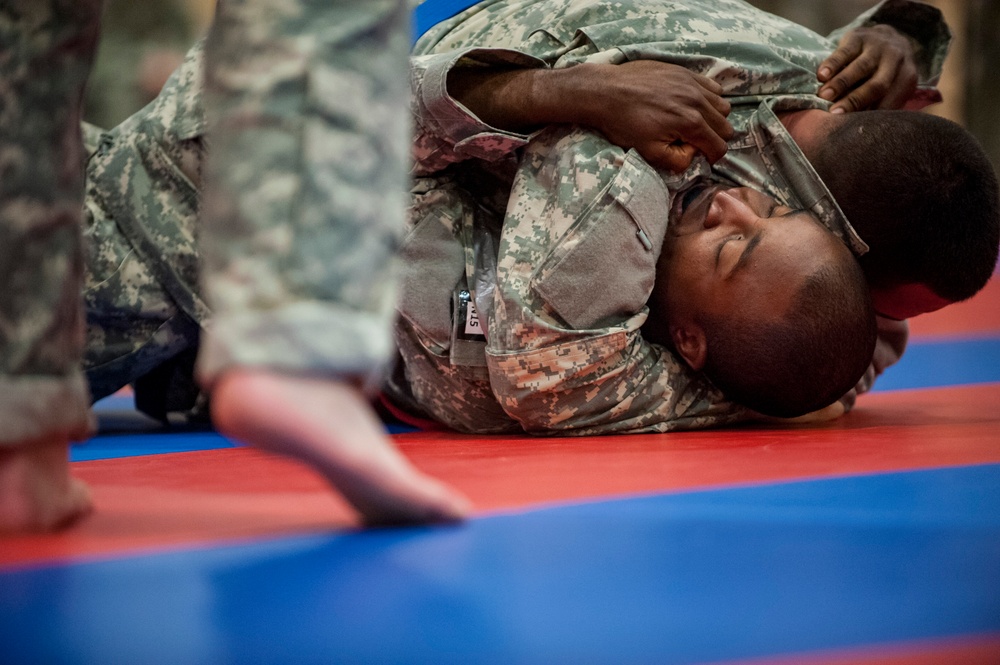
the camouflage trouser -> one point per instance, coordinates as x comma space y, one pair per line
46, 47
305, 183
135, 328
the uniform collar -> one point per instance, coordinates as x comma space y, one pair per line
787, 166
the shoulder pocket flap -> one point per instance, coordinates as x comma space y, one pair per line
603, 271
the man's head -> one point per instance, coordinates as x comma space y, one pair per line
771, 305
922, 193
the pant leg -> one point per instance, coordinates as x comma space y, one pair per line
46, 47
305, 183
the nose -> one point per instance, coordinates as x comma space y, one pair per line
729, 210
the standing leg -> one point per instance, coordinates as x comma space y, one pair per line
46, 47
304, 202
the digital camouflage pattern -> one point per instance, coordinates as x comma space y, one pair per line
300, 266
142, 293
46, 47
145, 176
305, 184
751, 53
582, 230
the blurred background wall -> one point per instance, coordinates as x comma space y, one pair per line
142, 42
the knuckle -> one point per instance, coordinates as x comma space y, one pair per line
838, 85
853, 44
868, 62
853, 103
690, 119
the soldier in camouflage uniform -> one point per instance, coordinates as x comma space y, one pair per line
561, 356
303, 198
46, 47
446, 375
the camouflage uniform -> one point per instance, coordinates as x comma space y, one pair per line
141, 294
582, 230
46, 47
144, 180
300, 228
305, 184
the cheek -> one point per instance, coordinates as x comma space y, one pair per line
690, 281
690, 256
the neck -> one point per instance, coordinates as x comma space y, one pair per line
656, 329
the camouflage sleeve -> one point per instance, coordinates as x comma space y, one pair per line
921, 22
445, 132
577, 261
142, 289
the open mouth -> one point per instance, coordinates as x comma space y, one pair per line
687, 196
691, 194
690, 206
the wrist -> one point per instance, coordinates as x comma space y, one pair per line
575, 95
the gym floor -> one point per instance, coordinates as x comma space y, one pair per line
875, 539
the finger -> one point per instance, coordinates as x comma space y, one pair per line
712, 111
710, 134
675, 157
711, 85
712, 93
869, 94
858, 70
848, 49
720, 104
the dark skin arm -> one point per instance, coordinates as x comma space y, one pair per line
667, 113
664, 111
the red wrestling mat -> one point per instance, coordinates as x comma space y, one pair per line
169, 500
975, 650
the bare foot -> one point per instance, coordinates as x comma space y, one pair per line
37, 492
330, 426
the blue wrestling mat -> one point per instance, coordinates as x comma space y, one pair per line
660, 579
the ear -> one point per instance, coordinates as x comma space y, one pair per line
689, 341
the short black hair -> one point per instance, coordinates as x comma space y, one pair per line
922, 193
806, 361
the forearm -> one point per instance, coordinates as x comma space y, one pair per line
446, 131
665, 112
523, 100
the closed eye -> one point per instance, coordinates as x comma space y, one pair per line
718, 252
747, 252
